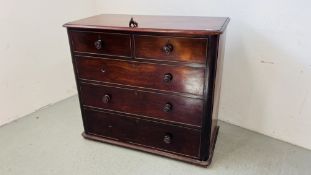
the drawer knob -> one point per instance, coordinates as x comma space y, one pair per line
168, 48
106, 98
168, 77
167, 138
103, 70
168, 107
98, 44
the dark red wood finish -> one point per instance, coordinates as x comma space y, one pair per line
153, 87
183, 49
182, 25
108, 43
148, 75
217, 77
151, 105
142, 132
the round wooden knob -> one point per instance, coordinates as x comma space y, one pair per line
106, 98
103, 70
168, 48
168, 107
168, 77
168, 138
98, 44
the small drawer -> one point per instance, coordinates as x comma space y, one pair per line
146, 104
101, 43
154, 76
159, 136
171, 48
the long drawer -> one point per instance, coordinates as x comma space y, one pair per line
142, 132
146, 104
148, 75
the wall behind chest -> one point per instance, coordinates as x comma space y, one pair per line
267, 69
35, 62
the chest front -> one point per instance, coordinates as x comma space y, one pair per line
154, 89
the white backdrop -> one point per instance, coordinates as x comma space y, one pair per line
35, 64
267, 70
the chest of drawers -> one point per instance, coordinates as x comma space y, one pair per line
150, 83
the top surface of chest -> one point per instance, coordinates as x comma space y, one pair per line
147, 23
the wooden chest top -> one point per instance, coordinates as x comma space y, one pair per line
148, 23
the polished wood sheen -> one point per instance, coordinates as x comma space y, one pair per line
171, 48
150, 105
183, 79
150, 83
193, 25
143, 132
101, 43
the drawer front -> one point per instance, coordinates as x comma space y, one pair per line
171, 48
151, 134
166, 107
147, 75
101, 43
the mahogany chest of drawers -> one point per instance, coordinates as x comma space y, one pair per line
150, 83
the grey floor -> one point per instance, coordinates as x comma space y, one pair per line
49, 142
